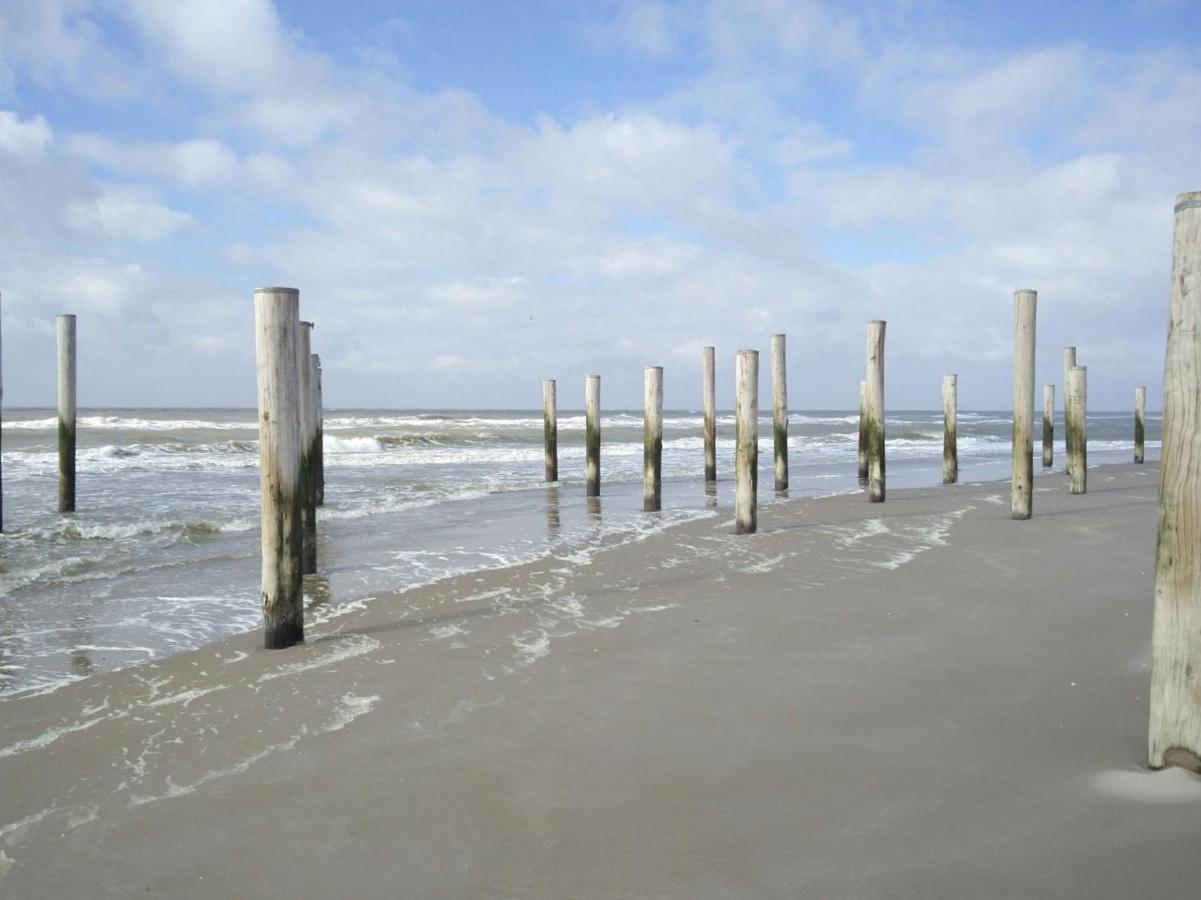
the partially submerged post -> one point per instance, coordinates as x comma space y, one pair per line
1069, 361
1175, 729
319, 468
592, 436
550, 431
862, 431
779, 409
874, 418
1140, 421
315, 462
950, 428
1076, 428
281, 501
746, 441
709, 413
308, 431
1048, 425
66, 413
1021, 495
652, 438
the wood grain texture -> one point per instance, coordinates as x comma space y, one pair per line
746, 442
550, 431
779, 409
950, 429
1021, 494
709, 411
592, 435
874, 418
652, 438
65, 328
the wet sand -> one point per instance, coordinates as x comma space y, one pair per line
920, 699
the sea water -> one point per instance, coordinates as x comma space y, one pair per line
163, 552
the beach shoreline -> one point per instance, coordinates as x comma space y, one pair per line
910, 699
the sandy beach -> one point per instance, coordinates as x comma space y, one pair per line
916, 699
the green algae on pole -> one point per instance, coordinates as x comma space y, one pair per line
66, 413
308, 431
779, 409
592, 436
550, 431
1140, 421
1174, 734
710, 413
862, 431
1075, 427
652, 438
950, 428
319, 445
746, 442
874, 411
281, 498
1021, 494
1048, 425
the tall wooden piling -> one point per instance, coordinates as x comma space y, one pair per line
709, 413
592, 436
314, 447
281, 498
1140, 421
66, 413
779, 409
746, 442
1, 449
550, 431
1021, 494
950, 429
1075, 427
1068, 362
308, 432
863, 431
319, 468
652, 438
874, 411
1048, 425
1174, 736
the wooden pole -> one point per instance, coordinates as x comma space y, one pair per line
950, 429
1069, 362
1175, 728
1048, 425
709, 412
66, 413
1021, 495
592, 436
1076, 428
314, 447
652, 438
319, 446
746, 442
874, 419
308, 432
1, 453
281, 498
550, 431
779, 409
862, 431
1140, 422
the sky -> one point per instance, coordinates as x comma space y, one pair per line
474, 195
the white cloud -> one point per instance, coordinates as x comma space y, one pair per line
28, 139
122, 215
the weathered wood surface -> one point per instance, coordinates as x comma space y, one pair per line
1021, 494
1048, 425
1068, 363
779, 409
874, 417
950, 429
281, 499
592, 436
308, 431
1075, 427
746, 442
652, 438
709, 411
320, 444
1174, 736
550, 431
1140, 422
65, 326
863, 431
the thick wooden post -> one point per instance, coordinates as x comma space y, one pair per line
709, 412
550, 431
779, 409
1140, 421
314, 445
281, 497
1021, 495
592, 436
66, 413
319, 446
1048, 425
1069, 362
308, 431
1076, 428
874, 419
652, 438
1175, 729
1, 452
950, 429
863, 431
746, 442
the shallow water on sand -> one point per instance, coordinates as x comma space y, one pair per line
163, 553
